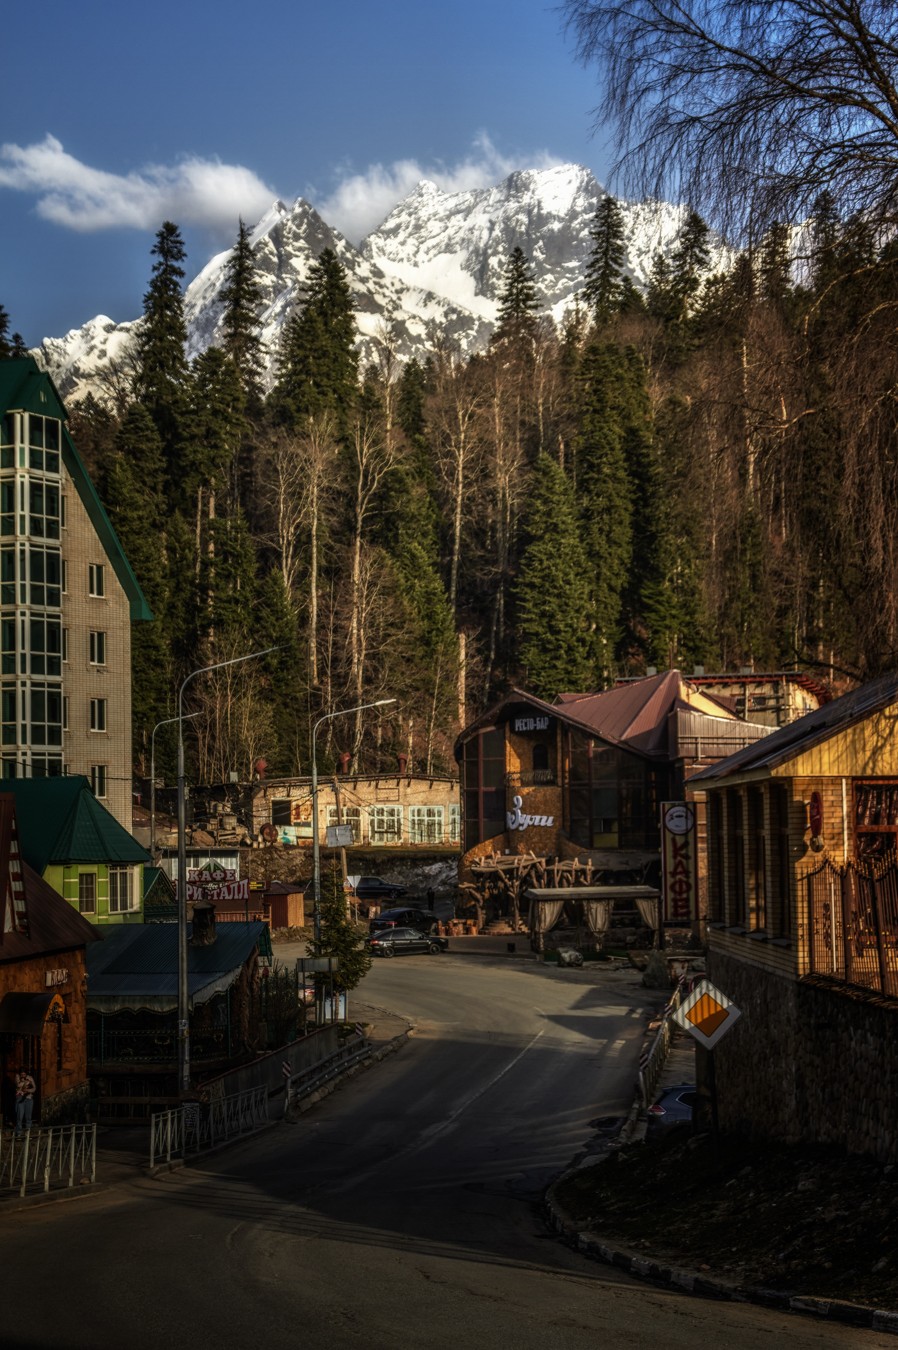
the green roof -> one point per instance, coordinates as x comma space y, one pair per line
24, 387
60, 821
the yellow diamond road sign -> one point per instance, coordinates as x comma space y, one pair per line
706, 1014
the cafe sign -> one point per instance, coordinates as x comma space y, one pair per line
679, 862
215, 883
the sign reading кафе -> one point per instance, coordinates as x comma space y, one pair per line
215, 883
679, 863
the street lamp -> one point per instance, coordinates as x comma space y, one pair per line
316, 848
183, 999
164, 723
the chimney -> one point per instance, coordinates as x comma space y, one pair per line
261, 768
203, 934
344, 762
403, 763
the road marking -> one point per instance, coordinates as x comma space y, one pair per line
434, 1131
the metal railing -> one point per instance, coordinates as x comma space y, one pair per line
197, 1126
653, 1059
852, 924
352, 1052
36, 1160
160, 1046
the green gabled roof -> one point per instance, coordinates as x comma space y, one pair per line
24, 387
60, 821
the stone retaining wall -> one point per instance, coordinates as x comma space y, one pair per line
813, 1061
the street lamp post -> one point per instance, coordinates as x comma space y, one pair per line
183, 997
164, 723
316, 848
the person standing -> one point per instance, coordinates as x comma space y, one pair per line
25, 1090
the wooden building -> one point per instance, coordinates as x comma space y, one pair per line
803, 924
43, 982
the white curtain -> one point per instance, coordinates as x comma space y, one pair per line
597, 914
648, 910
544, 914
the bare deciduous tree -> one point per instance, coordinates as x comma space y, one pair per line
750, 108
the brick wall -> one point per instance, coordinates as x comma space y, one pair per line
810, 1061
63, 1091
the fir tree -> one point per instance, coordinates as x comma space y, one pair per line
689, 261
518, 301
318, 369
241, 296
603, 291
552, 593
162, 373
5, 344
337, 936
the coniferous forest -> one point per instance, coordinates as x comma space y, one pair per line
701, 473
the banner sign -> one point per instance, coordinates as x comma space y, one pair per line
679, 862
215, 883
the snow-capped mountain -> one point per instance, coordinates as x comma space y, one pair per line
435, 262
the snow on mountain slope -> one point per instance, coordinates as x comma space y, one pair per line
436, 262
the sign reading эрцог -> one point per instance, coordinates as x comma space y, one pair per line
679, 869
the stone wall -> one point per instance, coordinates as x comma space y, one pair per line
810, 1061
62, 1085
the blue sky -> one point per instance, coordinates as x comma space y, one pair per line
115, 117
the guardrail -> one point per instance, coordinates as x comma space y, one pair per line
652, 1060
38, 1158
197, 1126
302, 1084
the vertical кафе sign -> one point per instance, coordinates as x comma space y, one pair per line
679, 869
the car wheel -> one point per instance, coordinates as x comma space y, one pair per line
388, 951
434, 948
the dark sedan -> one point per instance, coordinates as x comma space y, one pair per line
375, 888
400, 941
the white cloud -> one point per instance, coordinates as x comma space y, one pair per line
198, 192
362, 200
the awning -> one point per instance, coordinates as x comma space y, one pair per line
24, 1014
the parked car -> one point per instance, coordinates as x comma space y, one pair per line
400, 941
375, 888
420, 919
673, 1107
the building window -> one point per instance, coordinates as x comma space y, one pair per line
65, 644
65, 713
121, 890
87, 892
351, 815
43, 510
46, 716
98, 714
757, 859
454, 824
875, 818
483, 782
63, 521
43, 443
385, 824
98, 780
737, 908
44, 578
45, 647
96, 580
280, 811
64, 576
97, 646
715, 858
781, 872
425, 825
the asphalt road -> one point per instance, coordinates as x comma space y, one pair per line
401, 1212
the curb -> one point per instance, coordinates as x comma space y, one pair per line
692, 1282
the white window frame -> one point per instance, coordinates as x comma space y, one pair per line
97, 646
122, 890
352, 815
426, 824
98, 710
98, 781
454, 823
96, 581
87, 904
379, 830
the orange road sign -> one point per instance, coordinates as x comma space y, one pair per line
706, 1014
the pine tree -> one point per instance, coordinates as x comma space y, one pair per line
605, 491
137, 509
318, 368
5, 344
241, 296
162, 373
552, 593
603, 291
337, 936
518, 302
689, 261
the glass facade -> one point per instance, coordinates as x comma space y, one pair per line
31, 706
611, 797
